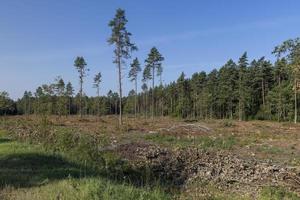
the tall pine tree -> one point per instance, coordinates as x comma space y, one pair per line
133, 74
153, 64
120, 38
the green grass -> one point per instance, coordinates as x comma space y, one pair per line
277, 193
27, 165
3, 133
270, 149
87, 188
218, 143
28, 171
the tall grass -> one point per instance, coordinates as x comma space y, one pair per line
62, 163
66, 165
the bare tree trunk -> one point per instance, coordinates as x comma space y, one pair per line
263, 92
25, 109
230, 109
81, 82
171, 102
240, 111
69, 105
135, 102
296, 111
98, 101
120, 92
279, 101
153, 93
29, 107
144, 98
194, 108
118, 54
240, 99
146, 104
162, 106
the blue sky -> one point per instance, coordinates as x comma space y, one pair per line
39, 39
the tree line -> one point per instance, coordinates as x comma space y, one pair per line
242, 89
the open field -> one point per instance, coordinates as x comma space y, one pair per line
92, 158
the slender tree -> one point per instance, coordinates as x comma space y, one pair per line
145, 88
145, 91
97, 81
69, 94
153, 64
133, 74
242, 67
61, 96
120, 38
39, 93
26, 103
184, 100
280, 74
80, 65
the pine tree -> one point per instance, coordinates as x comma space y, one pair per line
265, 76
228, 77
153, 64
120, 38
280, 74
291, 48
38, 95
145, 91
97, 81
133, 74
80, 65
69, 94
61, 95
146, 77
6, 103
197, 88
211, 86
242, 85
184, 98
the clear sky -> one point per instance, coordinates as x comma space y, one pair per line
39, 39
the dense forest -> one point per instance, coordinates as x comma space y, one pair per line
242, 89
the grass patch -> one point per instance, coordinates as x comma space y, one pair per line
29, 171
25, 165
270, 149
277, 193
3, 134
87, 188
218, 143
204, 142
